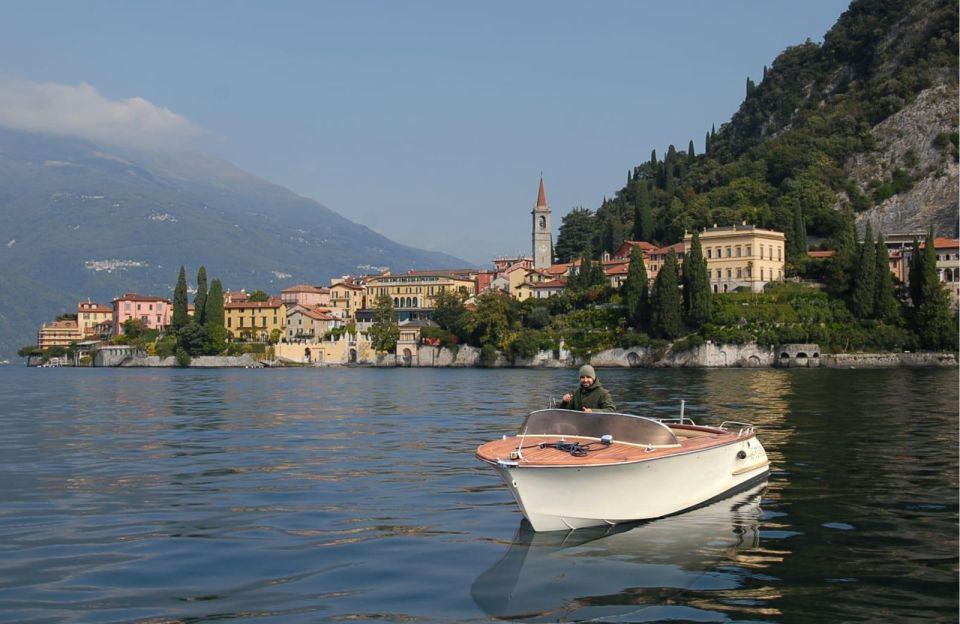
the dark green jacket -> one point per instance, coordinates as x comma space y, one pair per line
594, 396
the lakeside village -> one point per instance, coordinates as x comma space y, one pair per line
413, 318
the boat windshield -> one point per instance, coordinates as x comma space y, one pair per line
621, 427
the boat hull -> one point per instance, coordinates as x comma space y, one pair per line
564, 497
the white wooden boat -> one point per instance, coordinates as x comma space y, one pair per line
569, 470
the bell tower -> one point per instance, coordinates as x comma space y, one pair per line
542, 232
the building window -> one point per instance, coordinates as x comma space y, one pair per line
749, 250
719, 274
779, 253
709, 251
761, 252
738, 251
739, 273
729, 274
749, 272
729, 252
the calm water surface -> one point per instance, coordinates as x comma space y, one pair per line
326, 495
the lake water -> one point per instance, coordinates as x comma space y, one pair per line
330, 495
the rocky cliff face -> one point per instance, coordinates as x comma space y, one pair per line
914, 141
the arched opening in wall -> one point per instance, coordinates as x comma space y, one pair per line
353, 356
784, 356
407, 357
633, 359
306, 354
801, 359
724, 288
714, 289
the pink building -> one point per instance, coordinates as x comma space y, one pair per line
305, 295
155, 312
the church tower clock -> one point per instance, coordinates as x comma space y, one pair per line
542, 232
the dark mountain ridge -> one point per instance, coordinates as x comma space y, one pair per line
82, 219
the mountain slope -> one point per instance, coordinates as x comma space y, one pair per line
81, 219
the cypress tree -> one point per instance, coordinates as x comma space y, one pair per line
643, 223
696, 285
706, 144
214, 315
841, 265
915, 274
180, 317
691, 154
934, 325
636, 291
653, 159
666, 305
885, 306
200, 300
798, 243
864, 287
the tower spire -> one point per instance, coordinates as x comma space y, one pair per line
542, 195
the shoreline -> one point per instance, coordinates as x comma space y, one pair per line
703, 356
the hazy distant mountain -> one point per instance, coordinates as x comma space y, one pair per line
86, 220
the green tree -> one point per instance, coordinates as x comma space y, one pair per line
384, 332
798, 240
576, 230
915, 274
841, 264
214, 315
666, 303
696, 285
643, 223
134, 328
492, 322
200, 299
864, 285
192, 338
449, 312
636, 291
180, 317
933, 322
885, 306
258, 295
613, 236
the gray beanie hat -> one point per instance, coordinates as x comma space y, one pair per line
587, 371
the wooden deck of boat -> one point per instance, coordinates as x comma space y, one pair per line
617, 452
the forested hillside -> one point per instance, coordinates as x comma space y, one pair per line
864, 123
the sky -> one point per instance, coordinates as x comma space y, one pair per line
431, 122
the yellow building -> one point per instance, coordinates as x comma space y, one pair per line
346, 297
255, 320
414, 293
58, 334
90, 314
741, 256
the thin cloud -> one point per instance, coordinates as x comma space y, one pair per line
80, 111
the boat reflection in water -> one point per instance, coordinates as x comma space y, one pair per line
625, 570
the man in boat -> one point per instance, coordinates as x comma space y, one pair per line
589, 396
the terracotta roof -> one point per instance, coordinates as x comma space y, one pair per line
87, 306
305, 288
349, 285
556, 283
60, 325
272, 303
821, 254
618, 269
136, 297
945, 243
316, 315
541, 195
558, 269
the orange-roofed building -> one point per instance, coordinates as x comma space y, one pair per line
90, 315
255, 320
58, 334
305, 295
155, 312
